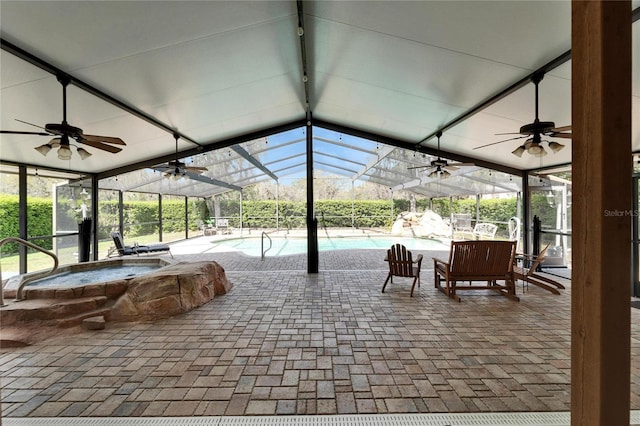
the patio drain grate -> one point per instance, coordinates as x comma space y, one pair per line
444, 419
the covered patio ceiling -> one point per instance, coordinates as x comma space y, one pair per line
235, 80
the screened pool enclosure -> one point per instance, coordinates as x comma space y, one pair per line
260, 185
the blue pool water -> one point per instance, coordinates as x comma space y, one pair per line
286, 246
92, 276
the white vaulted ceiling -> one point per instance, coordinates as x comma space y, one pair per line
215, 70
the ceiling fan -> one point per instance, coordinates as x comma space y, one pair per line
176, 169
63, 133
535, 131
441, 168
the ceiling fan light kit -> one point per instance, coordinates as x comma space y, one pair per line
64, 149
64, 152
439, 172
176, 169
519, 151
83, 153
534, 131
174, 174
63, 132
536, 150
555, 146
440, 166
44, 149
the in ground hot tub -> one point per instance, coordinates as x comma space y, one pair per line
127, 289
97, 278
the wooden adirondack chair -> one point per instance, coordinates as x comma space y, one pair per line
401, 264
529, 274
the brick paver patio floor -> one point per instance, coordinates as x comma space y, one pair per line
286, 342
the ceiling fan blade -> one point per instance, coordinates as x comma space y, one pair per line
11, 132
561, 135
506, 140
561, 129
510, 133
196, 169
199, 178
30, 124
163, 168
104, 139
418, 167
100, 145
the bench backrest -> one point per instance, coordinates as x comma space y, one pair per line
482, 258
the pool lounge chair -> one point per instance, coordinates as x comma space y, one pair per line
124, 250
401, 264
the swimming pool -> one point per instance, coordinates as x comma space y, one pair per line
286, 246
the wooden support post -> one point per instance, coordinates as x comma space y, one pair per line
602, 212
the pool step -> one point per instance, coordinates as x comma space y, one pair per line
49, 311
77, 319
30, 321
18, 337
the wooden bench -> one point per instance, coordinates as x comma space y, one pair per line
469, 261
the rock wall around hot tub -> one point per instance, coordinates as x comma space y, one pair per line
172, 290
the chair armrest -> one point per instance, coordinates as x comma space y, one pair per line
440, 267
418, 260
526, 259
436, 261
526, 256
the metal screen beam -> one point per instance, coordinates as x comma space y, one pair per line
250, 158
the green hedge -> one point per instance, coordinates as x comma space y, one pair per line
39, 220
292, 214
141, 217
367, 213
